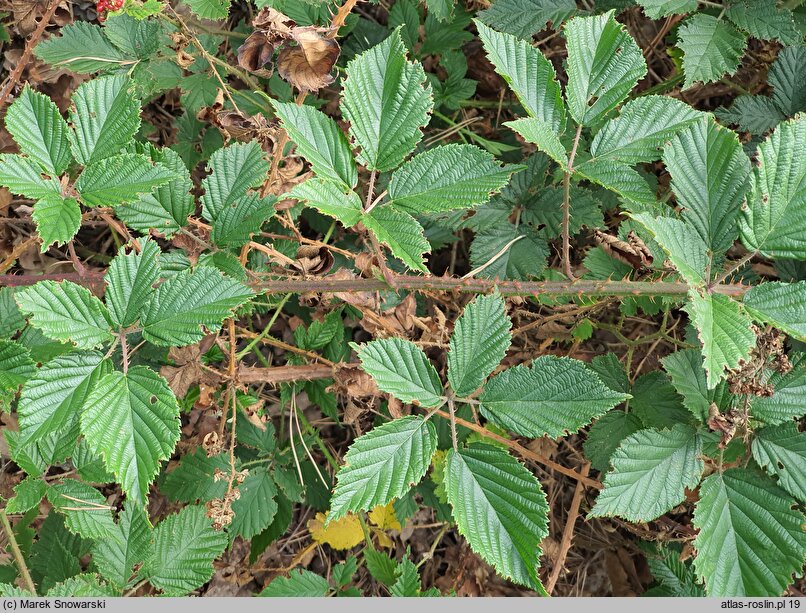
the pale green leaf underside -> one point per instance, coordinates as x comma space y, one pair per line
328, 198
27, 494
724, 330
528, 73
781, 451
22, 175
711, 48
82, 47
446, 178
682, 243
386, 103
401, 233
66, 312
604, 64
383, 464
480, 340
185, 545
37, 126
620, 178
132, 421
751, 541
399, 367
774, 220
538, 132
552, 397
320, 141
780, 304
651, 470
500, 508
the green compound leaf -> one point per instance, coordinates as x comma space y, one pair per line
552, 397
82, 47
117, 557
105, 117
300, 583
24, 176
500, 509
328, 198
16, 365
537, 131
651, 471
682, 243
781, 451
383, 464
751, 541
386, 103
320, 141
57, 220
763, 19
780, 304
786, 403
188, 301
709, 178
480, 341
399, 367
528, 73
604, 64
129, 283
525, 17
774, 220
234, 170
132, 421
53, 398
66, 312
712, 48
642, 129
119, 179
447, 178
256, 507
85, 510
185, 545
724, 330
37, 126
401, 233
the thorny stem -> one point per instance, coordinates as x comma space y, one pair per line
124, 348
233, 397
15, 550
370, 191
566, 231
736, 266
452, 409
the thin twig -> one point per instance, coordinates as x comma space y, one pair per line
568, 532
566, 230
15, 551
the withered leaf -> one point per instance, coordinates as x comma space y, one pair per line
307, 66
255, 54
274, 23
632, 252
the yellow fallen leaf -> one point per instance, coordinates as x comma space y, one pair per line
384, 517
343, 533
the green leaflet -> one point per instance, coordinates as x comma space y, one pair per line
82, 47
655, 9
620, 178
774, 220
401, 233
724, 330
55, 556
27, 494
787, 401
500, 508
525, 17
651, 471
780, 304
552, 397
446, 178
400, 368
320, 140
754, 114
711, 47
786, 77
763, 19
507, 252
188, 301
606, 434
480, 340
682, 243
185, 545
709, 178
120, 179
528, 73
386, 103
84, 508
383, 464
53, 398
210, 9
81, 586
132, 421
105, 117
236, 223
66, 312
16, 365
24, 176
234, 170
688, 377
256, 507
36, 125
537, 131
328, 198
604, 64
751, 541
57, 220
300, 583
781, 451
642, 129
130, 280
